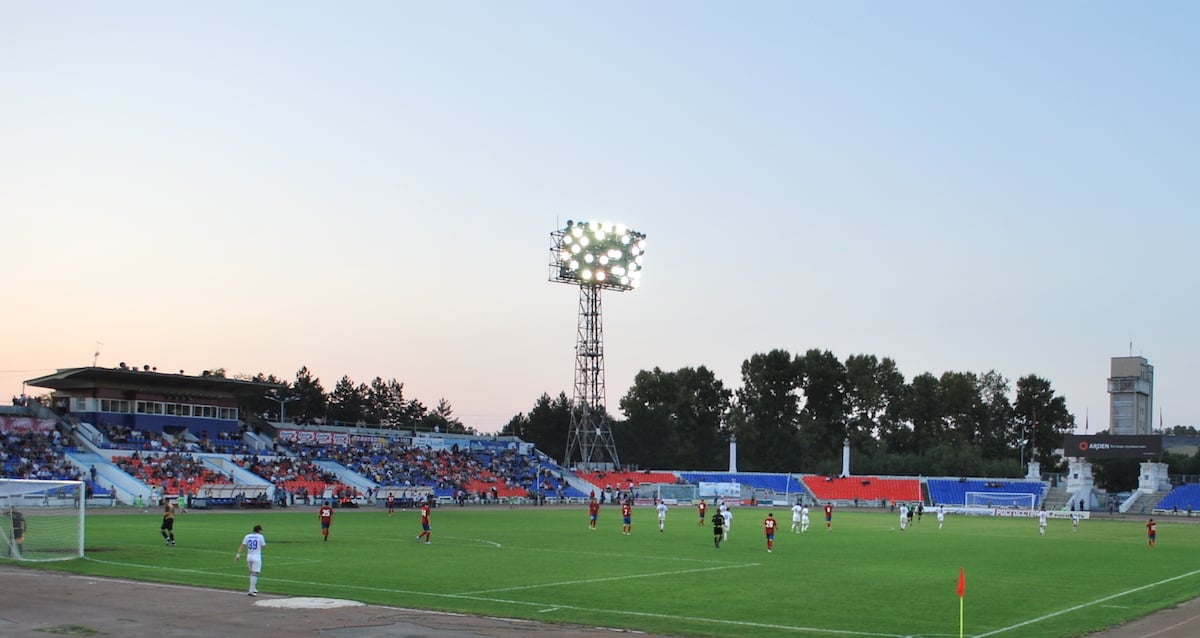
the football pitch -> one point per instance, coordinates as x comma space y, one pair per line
865, 578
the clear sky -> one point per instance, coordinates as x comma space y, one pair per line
368, 189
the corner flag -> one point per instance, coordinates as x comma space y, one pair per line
962, 589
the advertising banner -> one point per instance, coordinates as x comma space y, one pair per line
1113, 446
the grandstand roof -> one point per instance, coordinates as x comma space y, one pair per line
132, 378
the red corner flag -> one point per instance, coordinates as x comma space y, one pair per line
962, 589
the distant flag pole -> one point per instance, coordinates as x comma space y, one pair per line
1086, 420
962, 589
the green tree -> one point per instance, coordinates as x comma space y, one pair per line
674, 419
441, 418
996, 433
259, 404
874, 398
823, 419
1048, 420
768, 413
545, 426
385, 404
963, 410
311, 401
347, 401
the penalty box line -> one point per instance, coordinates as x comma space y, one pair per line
522, 603
1088, 604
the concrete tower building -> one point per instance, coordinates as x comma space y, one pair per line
1131, 396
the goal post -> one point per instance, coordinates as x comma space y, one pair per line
1008, 500
41, 520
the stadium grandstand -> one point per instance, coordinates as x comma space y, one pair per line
141, 437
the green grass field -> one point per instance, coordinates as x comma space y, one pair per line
865, 578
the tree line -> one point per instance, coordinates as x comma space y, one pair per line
792, 413
378, 404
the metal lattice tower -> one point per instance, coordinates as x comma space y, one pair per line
594, 256
590, 435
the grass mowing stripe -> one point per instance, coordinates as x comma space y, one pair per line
623, 577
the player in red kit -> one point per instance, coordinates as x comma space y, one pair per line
702, 507
769, 530
829, 517
326, 516
424, 523
391, 503
626, 518
593, 514
1151, 532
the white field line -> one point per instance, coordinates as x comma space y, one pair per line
1087, 604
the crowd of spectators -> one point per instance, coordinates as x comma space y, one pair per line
466, 475
123, 437
174, 472
34, 455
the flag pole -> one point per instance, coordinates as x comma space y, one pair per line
962, 590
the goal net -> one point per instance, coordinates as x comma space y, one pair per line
1010, 500
41, 520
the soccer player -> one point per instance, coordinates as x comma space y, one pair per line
662, 515
941, 515
425, 533
253, 542
391, 503
920, 511
769, 530
1042, 518
718, 530
911, 511
593, 513
1075, 521
1151, 532
797, 510
829, 517
626, 518
168, 524
702, 507
804, 519
326, 516
904, 514
724, 511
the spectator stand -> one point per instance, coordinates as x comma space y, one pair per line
1182, 500
863, 491
764, 488
948, 491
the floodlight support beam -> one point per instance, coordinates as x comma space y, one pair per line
590, 440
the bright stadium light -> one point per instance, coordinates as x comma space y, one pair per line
610, 255
594, 256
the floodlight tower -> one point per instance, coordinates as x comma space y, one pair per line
594, 256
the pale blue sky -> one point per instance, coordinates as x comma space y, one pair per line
368, 189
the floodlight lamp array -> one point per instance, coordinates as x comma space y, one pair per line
601, 254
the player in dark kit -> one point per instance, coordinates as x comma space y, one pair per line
718, 530
168, 524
